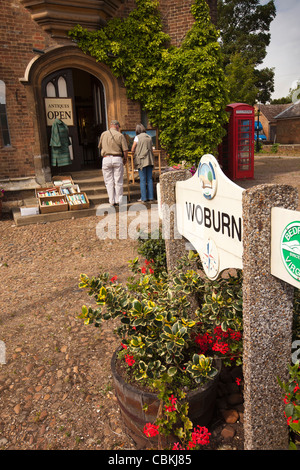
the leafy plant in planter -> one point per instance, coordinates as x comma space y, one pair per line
291, 390
165, 345
291, 387
153, 248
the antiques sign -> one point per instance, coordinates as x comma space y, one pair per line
59, 108
209, 215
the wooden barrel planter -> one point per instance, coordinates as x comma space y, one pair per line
131, 401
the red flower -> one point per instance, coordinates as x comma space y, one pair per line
191, 445
238, 381
151, 430
113, 279
220, 334
289, 420
286, 401
223, 348
200, 435
173, 399
177, 446
296, 388
129, 360
151, 271
172, 407
204, 342
235, 335
143, 270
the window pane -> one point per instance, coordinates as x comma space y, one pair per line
50, 90
62, 88
3, 116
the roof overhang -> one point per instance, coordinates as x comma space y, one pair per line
57, 17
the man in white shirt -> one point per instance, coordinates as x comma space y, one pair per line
114, 151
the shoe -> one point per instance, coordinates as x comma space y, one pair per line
141, 200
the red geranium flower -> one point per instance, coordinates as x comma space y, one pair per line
151, 430
200, 435
223, 348
129, 360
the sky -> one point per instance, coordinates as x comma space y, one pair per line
283, 53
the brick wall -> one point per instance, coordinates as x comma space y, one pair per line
288, 131
176, 16
18, 35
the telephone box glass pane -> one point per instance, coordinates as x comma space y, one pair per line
244, 144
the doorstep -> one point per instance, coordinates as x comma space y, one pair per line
51, 217
21, 220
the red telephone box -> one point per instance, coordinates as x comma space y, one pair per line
236, 153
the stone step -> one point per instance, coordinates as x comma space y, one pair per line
101, 198
55, 216
87, 183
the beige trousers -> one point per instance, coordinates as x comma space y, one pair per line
113, 172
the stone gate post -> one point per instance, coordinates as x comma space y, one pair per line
175, 244
267, 320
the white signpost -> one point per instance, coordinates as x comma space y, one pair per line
209, 215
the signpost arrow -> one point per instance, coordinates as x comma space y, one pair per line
209, 215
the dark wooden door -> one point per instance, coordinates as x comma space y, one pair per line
99, 112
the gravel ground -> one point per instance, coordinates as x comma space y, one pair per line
56, 388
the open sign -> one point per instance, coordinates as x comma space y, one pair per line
59, 108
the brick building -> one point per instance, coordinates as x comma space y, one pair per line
41, 67
267, 117
288, 125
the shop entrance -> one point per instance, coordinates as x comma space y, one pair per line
76, 98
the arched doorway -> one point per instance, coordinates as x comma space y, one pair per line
77, 98
83, 68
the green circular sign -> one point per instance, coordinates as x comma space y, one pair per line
290, 249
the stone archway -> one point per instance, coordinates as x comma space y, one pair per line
52, 60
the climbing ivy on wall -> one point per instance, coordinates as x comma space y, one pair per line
183, 90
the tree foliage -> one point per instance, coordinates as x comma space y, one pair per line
245, 34
241, 80
183, 90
